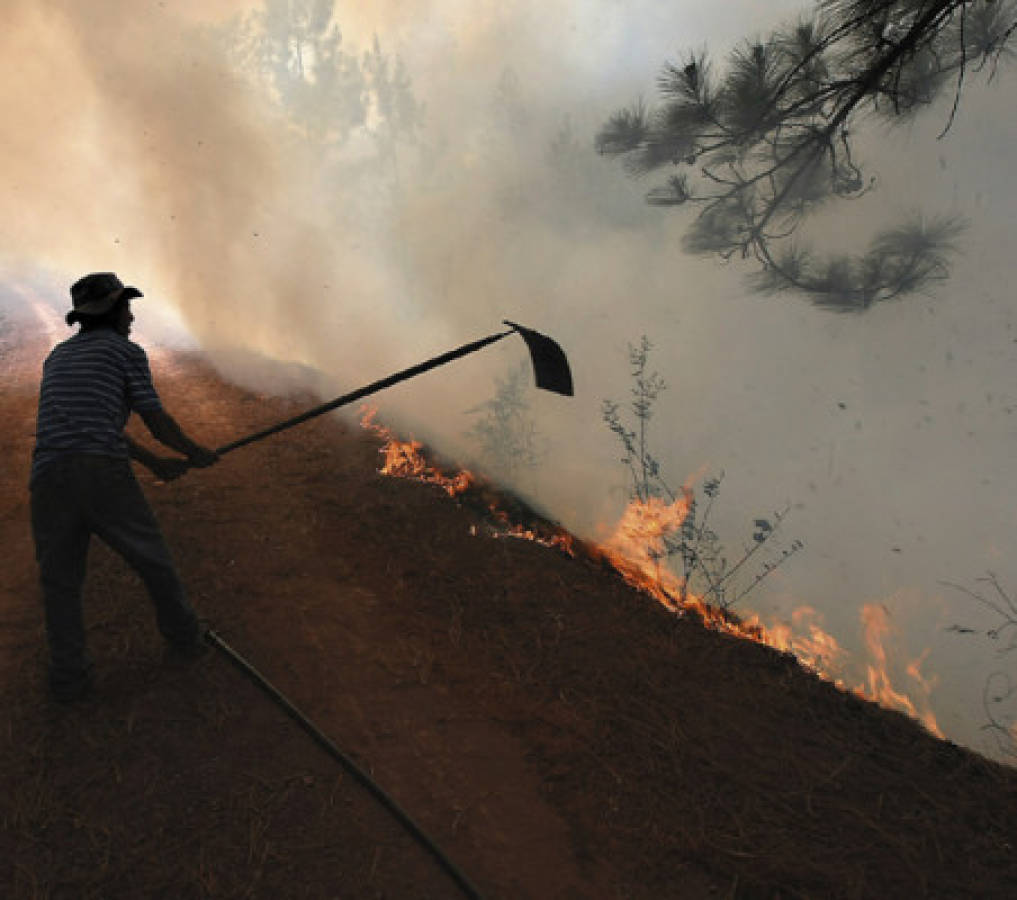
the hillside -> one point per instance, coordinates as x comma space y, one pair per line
557, 733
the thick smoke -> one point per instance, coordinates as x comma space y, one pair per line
163, 142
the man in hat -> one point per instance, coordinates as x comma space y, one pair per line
82, 484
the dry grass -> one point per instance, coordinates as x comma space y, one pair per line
560, 735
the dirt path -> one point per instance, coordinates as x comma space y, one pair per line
280, 556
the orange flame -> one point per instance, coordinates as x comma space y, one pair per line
876, 622
405, 459
557, 539
637, 551
816, 649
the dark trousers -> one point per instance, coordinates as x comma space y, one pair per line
73, 498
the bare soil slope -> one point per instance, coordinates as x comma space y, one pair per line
557, 733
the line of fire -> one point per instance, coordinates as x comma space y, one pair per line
633, 550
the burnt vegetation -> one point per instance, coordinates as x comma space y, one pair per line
761, 145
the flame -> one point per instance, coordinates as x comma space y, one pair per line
914, 669
405, 459
557, 539
876, 623
803, 637
637, 546
637, 550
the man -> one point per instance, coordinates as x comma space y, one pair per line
82, 484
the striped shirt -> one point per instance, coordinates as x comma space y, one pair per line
90, 385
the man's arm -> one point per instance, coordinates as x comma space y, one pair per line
163, 467
165, 430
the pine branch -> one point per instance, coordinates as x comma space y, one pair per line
771, 140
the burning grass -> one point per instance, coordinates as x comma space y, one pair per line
637, 550
507, 516
558, 734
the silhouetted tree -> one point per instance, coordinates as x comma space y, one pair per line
509, 103
762, 145
395, 111
504, 428
296, 46
564, 150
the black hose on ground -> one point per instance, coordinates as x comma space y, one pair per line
322, 740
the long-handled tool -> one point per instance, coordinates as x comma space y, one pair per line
550, 369
465, 885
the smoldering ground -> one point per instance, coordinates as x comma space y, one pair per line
171, 146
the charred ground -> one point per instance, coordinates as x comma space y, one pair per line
557, 733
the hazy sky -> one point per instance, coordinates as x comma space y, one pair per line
130, 142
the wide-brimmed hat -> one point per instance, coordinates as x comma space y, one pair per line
97, 294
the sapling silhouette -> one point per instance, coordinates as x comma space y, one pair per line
706, 569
